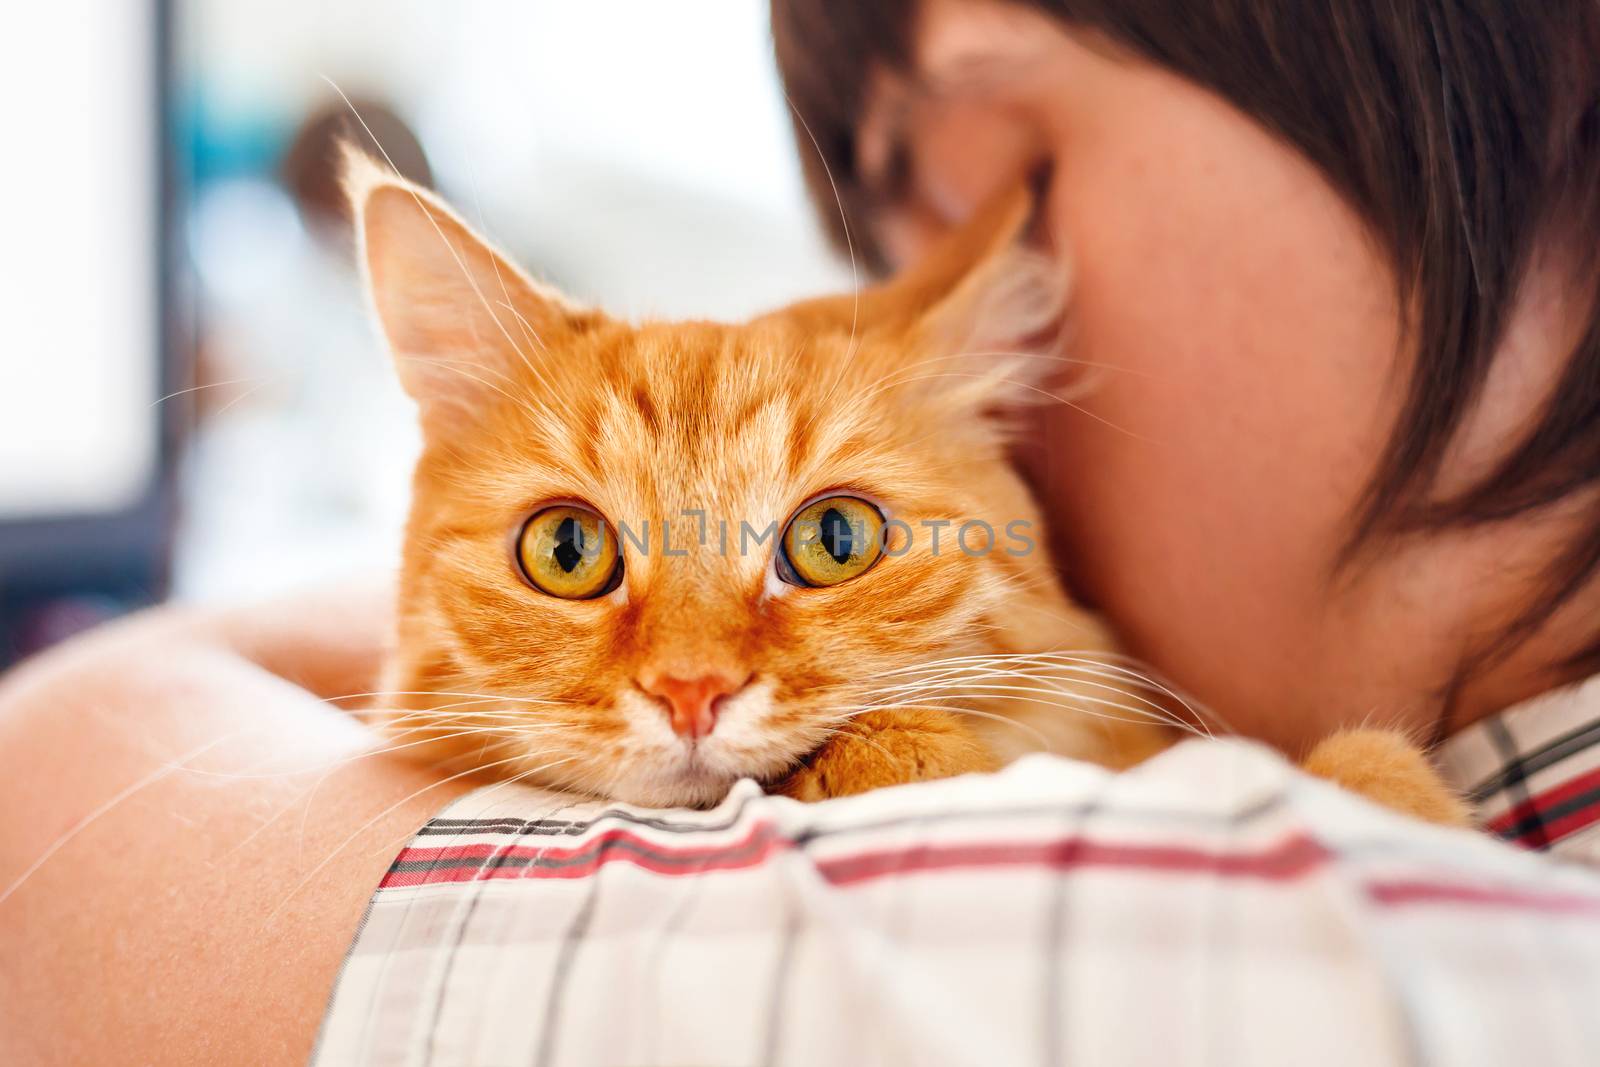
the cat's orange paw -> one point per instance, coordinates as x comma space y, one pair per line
1387, 768
883, 748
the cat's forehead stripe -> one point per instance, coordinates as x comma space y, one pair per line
739, 422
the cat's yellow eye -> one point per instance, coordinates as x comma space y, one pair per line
830, 541
569, 552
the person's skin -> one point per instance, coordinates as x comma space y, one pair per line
217, 831
1242, 365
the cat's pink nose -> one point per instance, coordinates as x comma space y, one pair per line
693, 700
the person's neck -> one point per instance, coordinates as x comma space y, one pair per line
1553, 657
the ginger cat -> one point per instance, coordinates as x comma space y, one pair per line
644, 561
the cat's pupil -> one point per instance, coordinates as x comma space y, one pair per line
569, 544
837, 537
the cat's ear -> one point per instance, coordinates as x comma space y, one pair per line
981, 295
460, 319
987, 297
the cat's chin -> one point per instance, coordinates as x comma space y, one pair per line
694, 788
679, 782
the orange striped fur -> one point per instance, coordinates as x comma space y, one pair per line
897, 395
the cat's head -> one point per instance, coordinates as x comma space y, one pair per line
645, 560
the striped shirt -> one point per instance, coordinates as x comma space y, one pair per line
1212, 906
1533, 772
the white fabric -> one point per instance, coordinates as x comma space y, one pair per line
1213, 906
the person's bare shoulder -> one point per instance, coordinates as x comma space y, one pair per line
189, 844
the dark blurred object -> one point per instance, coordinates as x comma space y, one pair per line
63, 572
310, 169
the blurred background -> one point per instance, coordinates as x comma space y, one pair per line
192, 402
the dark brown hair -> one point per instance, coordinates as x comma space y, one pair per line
1465, 132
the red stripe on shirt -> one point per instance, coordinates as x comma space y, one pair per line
1556, 829
1572, 822
582, 860
1404, 892
1288, 859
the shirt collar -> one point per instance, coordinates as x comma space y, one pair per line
1533, 770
